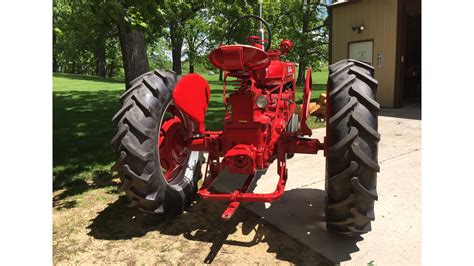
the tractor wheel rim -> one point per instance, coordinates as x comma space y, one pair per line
171, 145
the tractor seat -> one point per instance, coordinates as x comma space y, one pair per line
239, 58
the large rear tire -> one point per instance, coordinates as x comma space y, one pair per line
352, 139
147, 110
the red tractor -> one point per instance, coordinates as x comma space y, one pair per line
162, 135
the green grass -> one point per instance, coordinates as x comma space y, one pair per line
82, 129
83, 107
68, 82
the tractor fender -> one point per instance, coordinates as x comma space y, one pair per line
191, 95
305, 109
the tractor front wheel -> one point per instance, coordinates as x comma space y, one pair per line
158, 173
352, 140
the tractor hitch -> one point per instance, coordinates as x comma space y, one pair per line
241, 195
288, 143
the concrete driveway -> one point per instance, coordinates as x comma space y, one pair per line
395, 237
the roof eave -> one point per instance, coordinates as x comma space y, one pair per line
342, 3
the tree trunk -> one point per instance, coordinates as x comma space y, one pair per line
112, 54
176, 47
132, 45
191, 66
302, 61
301, 72
55, 59
176, 55
111, 69
101, 64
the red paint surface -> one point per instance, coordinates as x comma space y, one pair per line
306, 99
191, 95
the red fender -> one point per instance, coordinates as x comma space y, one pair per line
191, 95
306, 99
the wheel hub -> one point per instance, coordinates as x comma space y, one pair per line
172, 147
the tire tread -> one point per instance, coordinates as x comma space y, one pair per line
352, 139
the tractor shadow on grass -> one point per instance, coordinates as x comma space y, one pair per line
201, 222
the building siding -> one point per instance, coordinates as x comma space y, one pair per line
380, 20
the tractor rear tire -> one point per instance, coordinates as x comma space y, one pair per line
352, 141
138, 165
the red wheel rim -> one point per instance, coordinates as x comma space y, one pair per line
171, 144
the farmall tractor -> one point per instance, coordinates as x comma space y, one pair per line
162, 134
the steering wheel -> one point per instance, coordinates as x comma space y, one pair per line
269, 32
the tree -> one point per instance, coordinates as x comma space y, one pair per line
304, 22
158, 52
80, 34
177, 14
102, 37
130, 17
196, 34
87, 33
70, 47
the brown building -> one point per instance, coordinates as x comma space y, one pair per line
385, 34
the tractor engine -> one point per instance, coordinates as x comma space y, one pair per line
252, 128
248, 129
